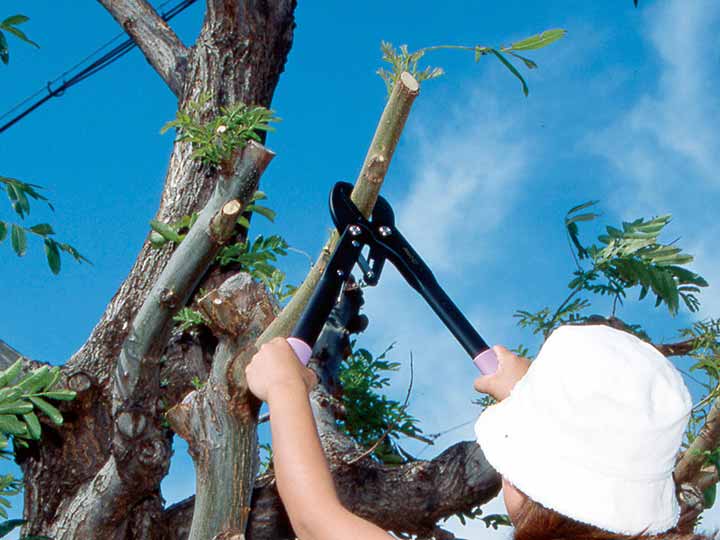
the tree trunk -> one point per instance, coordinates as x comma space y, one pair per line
239, 56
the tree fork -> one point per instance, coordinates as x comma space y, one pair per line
140, 448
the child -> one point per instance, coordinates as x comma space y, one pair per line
586, 440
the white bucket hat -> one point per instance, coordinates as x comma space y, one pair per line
593, 429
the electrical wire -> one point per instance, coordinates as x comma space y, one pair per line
99, 64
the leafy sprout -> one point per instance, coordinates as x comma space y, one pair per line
214, 141
402, 59
22, 398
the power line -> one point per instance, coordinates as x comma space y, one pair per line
99, 64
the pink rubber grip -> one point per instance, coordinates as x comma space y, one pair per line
302, 350
486, 362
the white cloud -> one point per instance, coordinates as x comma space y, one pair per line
464, 180
667, 143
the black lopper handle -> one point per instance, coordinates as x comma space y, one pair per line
326, 293
420, 277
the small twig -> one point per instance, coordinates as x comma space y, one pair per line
301, 252
373, 447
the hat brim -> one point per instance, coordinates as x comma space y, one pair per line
519, 442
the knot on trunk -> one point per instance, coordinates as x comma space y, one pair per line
131, 423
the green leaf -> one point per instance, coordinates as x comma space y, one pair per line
19, 240
528, 63
53, 256
43, 229
243, 221
10, 425
33, 425
37, 380
48, 409
21, 35
512, 69
16, 407
581, 207
60, 395
3, 230
581, 217
166, 231
10, 374
538, 41
14, 20
10, 394
263, 211
709, 496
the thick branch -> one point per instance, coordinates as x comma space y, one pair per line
222, 439
160, 45
694, 459
409, 498
364, 195
188, 264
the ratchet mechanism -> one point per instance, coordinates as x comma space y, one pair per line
385, 242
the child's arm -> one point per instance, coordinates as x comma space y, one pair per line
303, 478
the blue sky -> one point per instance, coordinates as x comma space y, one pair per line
623, 110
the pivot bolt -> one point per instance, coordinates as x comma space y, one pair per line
384, 230
340, 273
354, 230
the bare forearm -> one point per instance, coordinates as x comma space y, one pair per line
302, 473
303, 477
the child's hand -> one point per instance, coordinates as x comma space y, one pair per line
511, 368
276, 368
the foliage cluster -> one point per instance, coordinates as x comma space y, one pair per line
371, 418
403, 60
214, 141
22, 397
625, 258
